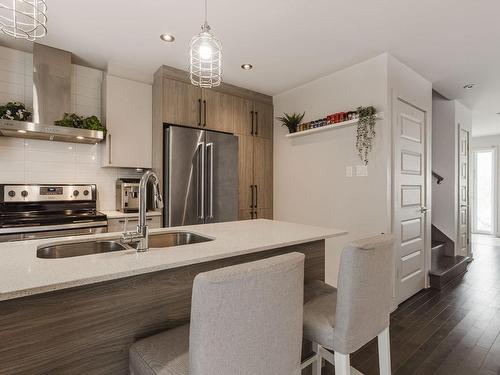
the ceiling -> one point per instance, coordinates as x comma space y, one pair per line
290, 42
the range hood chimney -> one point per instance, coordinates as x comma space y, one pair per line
51, 84
51, 99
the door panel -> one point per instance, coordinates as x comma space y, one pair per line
263, 125
183, 183
243, 116
218, 109
409, 214
263, 172
181, 103
221, 203
463, 186
245, 171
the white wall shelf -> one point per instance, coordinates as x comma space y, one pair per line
337, 125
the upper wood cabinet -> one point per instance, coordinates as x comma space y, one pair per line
188, 105
263, 120
243, 116
181, 103
128, 120
218, 111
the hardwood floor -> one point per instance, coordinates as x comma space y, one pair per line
455, 331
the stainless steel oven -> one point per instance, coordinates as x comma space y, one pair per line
45, 211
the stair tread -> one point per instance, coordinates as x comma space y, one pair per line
445, 264
435, 244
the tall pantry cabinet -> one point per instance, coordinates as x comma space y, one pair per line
229, 109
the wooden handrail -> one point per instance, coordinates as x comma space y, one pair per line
438, 177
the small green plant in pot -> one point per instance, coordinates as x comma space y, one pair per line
291, 121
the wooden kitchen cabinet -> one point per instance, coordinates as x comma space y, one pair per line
263, 172
243, 116
218, 111
263, 120
245, 172
229, 109
182, 103
128, 120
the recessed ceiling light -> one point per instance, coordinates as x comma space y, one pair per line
166, 37
469, 86
247, 66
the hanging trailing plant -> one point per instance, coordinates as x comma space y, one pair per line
365, 131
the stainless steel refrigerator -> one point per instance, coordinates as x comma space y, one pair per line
200, 176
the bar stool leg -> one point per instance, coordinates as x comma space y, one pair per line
316, 365
384, 352
342, 364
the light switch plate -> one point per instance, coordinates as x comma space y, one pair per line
361, 170
348, 171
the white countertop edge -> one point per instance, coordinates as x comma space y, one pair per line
113, 214
150, 269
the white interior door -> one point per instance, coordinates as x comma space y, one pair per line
463, 193
411, 226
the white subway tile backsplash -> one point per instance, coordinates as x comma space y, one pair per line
34, 161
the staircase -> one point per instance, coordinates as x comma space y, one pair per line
445, 268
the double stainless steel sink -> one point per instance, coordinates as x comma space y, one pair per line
75, 249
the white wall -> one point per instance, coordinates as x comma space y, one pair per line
448, 115
34, 161
310, 183
492, 141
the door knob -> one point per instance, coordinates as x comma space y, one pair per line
424, 209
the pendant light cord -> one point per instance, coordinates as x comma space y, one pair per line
206, 12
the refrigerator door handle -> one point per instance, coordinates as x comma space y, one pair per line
211, 180
201, 192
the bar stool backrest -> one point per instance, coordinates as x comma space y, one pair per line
363, 292
247, 319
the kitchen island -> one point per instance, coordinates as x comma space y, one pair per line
80, 314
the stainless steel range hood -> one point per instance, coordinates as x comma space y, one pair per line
51, 99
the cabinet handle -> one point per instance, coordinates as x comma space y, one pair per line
256, 196
256, 123
251, 192
251, 129
199, 112
255, 215
109, 148
204, 113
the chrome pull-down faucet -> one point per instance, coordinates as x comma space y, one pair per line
141, 235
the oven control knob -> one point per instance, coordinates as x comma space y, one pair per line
12, 193
85, 192
24, 193
75, 193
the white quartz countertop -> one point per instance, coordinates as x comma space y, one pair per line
22, 273
121, 215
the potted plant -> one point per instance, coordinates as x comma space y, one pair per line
14, 111
365, 131
291, 121
73, 120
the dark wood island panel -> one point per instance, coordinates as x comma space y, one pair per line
89, 329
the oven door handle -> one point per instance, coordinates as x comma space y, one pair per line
42, 228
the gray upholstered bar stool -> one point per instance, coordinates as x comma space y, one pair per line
245, 320
343, 320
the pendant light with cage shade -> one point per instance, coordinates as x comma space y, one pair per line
23, 19
205, 58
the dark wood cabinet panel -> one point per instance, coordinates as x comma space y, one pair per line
243, 117
181, 103
264, 120
245, 172
263, 172
218, 111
